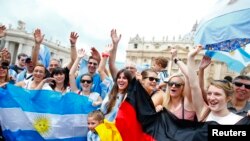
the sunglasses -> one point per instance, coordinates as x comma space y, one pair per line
4, 67
152, 79
177, 85
238, 84
88, 81
95, 64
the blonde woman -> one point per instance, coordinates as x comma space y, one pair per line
178, 99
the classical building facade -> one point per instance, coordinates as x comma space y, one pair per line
143, 51
18, 40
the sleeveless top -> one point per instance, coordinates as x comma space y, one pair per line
182, 113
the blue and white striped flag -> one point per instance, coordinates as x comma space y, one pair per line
36, 115
44, 55
225, 33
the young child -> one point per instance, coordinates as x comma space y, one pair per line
100, 129
160, 64
94, 119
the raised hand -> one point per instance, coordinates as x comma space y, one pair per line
95, 54
5, 55
49, 80
108, 49
73, 38
173, 53
2, 31
195, 51
38, 36
114, 37
81, 53
205, 62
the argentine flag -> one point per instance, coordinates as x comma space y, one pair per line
225, 33
38, 115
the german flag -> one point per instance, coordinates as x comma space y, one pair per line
137, 120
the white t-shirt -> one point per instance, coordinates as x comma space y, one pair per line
93, 96
229, 119
28, 83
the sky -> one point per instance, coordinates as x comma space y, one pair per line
94, 19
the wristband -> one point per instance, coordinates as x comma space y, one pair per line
176, 60
105, 55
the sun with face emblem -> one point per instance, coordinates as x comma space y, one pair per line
42, 124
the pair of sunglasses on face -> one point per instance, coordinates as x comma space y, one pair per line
177, 85
152, 79
239, 84
87, 81
4, 65
95, 64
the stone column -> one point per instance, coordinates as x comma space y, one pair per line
6, 45
20, 50
218, 69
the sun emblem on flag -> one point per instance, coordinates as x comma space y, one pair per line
42, 124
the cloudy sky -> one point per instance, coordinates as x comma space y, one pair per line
94, 19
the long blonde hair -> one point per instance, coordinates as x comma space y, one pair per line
167, 98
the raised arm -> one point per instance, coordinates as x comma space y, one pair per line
73, 38
173, 55
196, 93
45, 80
115, 40
105, 55
38, 37
184, 69
80, 54
203, 65
2, 31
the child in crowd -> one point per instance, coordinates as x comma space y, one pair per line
94, 119
160, 64
100, 129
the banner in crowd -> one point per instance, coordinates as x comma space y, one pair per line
34, 115
225, 33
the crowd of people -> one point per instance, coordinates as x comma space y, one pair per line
225, 101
